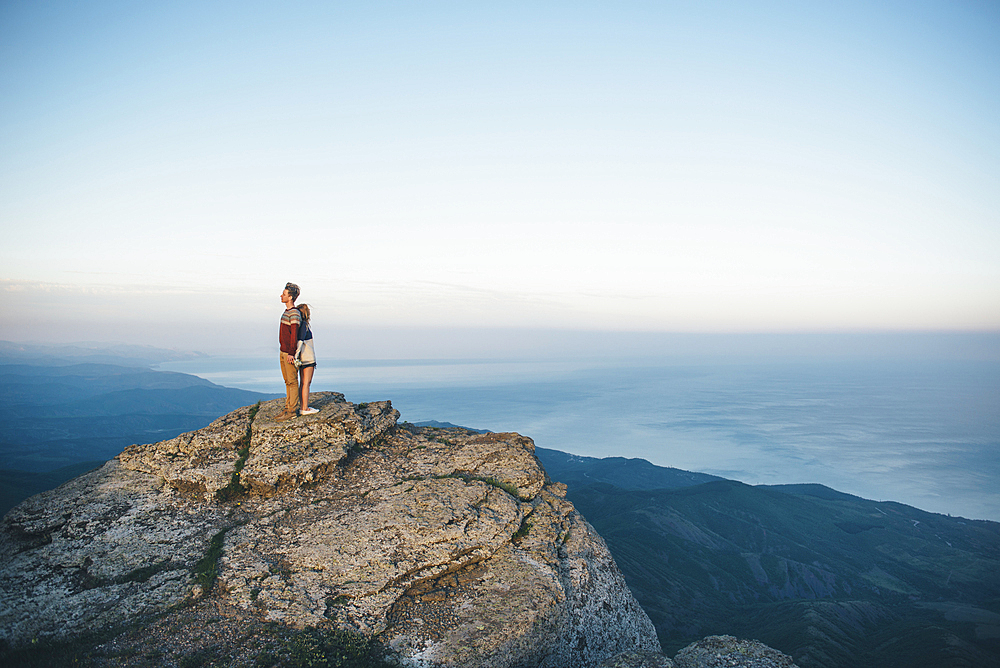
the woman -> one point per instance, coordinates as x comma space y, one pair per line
305, 359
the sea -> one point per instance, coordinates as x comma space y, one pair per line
923, 433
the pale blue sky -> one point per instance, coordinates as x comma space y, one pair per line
648, 166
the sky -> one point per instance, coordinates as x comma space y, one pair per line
644, 167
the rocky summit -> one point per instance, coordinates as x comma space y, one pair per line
452, 548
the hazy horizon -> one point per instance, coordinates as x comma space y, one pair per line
903, 418
337, 343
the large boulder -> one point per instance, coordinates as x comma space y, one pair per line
451, 547
730, 652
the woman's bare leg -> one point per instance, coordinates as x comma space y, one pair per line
305, 378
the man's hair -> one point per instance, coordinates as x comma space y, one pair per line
293, 290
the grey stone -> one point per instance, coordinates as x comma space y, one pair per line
637, 660
453, 546
103, 548
730, 652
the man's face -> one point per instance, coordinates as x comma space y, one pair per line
285, 297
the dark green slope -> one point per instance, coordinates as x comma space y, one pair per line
576, 471
208, 400
53, 418
43, 444
16, 486
831, 579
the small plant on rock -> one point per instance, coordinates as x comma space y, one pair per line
333, 648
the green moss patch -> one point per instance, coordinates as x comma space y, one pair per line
235, 489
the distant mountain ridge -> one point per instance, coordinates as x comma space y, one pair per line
29, 385
40, 354
577, 471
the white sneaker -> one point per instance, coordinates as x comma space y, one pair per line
309, 411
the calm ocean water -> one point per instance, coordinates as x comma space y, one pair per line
925, 434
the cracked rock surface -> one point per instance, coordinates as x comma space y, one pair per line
452, 547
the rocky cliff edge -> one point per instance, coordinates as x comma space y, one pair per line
452, 547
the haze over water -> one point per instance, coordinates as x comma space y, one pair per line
922, 433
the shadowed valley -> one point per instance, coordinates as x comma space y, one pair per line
829, 578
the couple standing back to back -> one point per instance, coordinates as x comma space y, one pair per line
296, 356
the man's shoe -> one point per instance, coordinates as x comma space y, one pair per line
309, 411
284, 416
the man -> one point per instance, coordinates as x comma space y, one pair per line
288, 338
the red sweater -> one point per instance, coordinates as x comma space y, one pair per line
288, 332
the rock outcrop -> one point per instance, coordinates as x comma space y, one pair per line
710, 652
730, 652
452, 547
